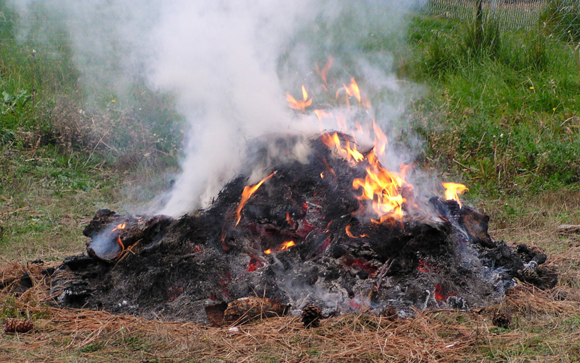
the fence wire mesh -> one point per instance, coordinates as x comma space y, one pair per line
557, 18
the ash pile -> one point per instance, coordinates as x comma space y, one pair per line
307, 234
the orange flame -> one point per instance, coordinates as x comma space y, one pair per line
320, 114
247, 193
352, 90
380, 186
283, 247
452, 191
383, 188
299, 105
120, 226
348, 152
286, 245
349, 233
381, 140
322, 72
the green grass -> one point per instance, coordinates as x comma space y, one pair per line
503, 114
63, 155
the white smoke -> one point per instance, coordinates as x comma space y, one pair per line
110, 40
220, 58
230, 63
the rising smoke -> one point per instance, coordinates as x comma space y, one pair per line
230, 63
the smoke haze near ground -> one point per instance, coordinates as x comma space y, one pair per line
230, 63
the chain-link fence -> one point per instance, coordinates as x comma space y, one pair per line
560, 18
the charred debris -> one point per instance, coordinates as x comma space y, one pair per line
303, 238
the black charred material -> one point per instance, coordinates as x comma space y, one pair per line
102, 219
113, 235
439, 256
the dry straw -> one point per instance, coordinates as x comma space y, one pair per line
433, 336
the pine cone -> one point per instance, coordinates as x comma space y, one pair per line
390, 313
311, 316
502, 320
18, 326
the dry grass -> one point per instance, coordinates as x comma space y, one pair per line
545, 324
545, 328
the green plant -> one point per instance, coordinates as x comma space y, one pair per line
91, 348
480, 39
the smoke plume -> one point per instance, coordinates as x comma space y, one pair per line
230, 63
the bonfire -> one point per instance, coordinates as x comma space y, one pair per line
330, 234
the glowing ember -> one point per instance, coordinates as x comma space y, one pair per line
452, 191
254, 264
422, 266
440, 294
299, 105
361, 264
268, 251
247, 193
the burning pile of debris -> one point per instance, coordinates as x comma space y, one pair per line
334, 231
339, 232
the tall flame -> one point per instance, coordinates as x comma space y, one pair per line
322, 72
453, 190
383, 188
348, 152
299, 105
352, 90
247, 193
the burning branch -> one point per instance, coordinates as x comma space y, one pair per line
247, 193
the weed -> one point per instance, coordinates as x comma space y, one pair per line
314, 352
91, 348
135, 343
